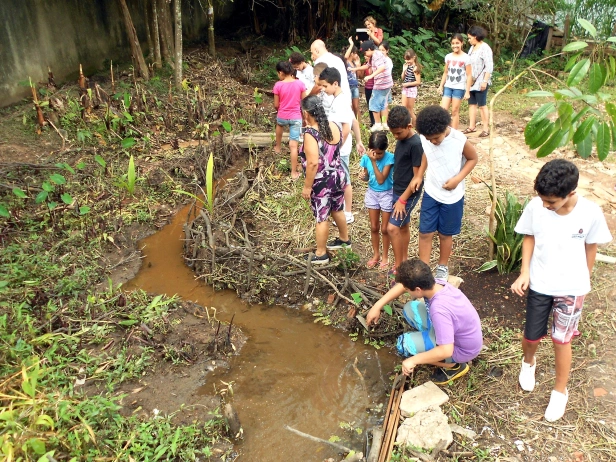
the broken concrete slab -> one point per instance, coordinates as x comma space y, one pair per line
420, 398
425, 429
467, 433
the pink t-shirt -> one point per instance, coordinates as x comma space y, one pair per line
290, 98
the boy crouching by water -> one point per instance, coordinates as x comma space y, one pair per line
448, 330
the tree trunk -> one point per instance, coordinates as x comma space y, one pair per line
156, 34
166, 35
210, 30
142, 68
148, 31
177, 10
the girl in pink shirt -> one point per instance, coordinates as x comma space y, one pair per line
288, 94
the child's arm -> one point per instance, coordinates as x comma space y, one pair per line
361, 68
381, 177
591, 254
359, 145
418, 173
373, 315
276, 101
351, 45
416, 83
375, 73
470, 153
435, 355
444, 78
304, 94
364, 175
521, 283
404, 71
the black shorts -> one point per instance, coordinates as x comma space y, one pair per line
566, 312
480, 98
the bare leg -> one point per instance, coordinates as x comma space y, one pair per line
485, 118
343, 230
455, 112
377, 117
562, 353
412, 111
277, 146
293, 147
445, 246
529, 349
348, 198
425, 247
322, 232
445, 103
399, 242
472, 116
375, 237
386, 240
355, 106
385, 113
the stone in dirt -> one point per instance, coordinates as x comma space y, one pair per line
455, 281
420, 398
470, 434
425, 429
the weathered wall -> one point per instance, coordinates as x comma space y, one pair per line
62, 34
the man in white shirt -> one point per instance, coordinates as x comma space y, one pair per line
320, 54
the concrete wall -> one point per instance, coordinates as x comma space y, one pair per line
62, 34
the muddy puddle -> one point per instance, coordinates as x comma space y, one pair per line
290, 372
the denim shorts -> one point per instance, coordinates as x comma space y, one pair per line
379, 200
436, 216
294, 125
480, 98
454, 93
354, 92
378, 100
410, 205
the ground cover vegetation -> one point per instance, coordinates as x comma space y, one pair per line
68, 343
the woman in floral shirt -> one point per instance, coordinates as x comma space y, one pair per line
482, 63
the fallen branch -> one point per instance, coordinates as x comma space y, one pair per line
318, 440
331, 284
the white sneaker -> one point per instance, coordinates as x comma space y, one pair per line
349, 217
557, 406
527, 375
384, 127
376, 127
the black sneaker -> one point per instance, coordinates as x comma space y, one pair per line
444, 375
338, 244
322, 260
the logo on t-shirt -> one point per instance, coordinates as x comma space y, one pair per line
580, 234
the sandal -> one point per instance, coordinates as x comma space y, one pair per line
469, 130
384, 266
371, 264
484, 134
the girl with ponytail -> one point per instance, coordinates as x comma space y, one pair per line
325, 178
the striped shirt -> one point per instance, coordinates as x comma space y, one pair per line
382, 81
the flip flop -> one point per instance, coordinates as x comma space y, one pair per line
371, 264
469, 130
484, 134
384, 266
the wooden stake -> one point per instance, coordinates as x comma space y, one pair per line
112, 81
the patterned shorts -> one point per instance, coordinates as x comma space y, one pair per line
409, 92
566, 312
328, 201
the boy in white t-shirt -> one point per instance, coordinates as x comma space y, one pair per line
561, 231
341, 111
303, 70
451, 157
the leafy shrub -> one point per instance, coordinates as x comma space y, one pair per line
508, 242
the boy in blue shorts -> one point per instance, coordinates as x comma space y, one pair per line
561, 232
409, 168
451, 157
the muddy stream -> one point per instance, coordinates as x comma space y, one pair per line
290, 372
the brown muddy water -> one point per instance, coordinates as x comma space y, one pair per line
290, 372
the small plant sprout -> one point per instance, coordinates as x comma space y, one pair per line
209, 180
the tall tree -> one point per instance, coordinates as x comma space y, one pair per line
177, 14
156, 34
141, 67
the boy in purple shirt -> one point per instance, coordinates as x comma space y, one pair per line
448, 330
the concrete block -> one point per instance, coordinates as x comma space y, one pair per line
425, 429
421, 397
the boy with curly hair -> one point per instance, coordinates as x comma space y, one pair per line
561, 232
451, 157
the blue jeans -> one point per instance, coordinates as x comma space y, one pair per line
294, 125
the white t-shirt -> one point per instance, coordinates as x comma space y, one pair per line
307, 76
558, 265
335, 62
444, 162
340, 111
456, 71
